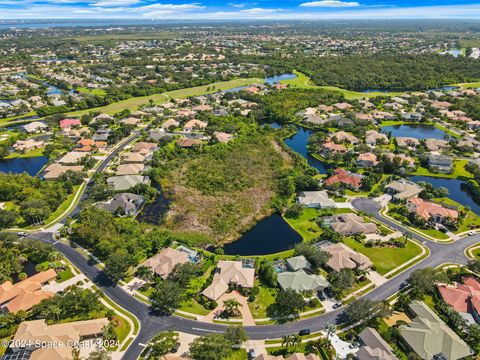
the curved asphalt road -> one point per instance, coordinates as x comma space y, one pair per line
151, 323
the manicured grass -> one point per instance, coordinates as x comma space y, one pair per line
65, 275
385, 259
448, 131
304, 82
17, 117
99, 92
193, 307
263, 300
470, 221
240, 354
135, 102
459, 170
63, 206
3, 349
28, 154
476, 253
305, 224
122, 328
393, 123
472, 85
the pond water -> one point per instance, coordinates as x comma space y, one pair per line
453, 52
298, 142
457, 190
268, 236
28, 268
277, 78
154, 212
417, 131
30, 165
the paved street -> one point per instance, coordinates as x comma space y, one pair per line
151, 323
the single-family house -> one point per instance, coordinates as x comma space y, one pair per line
66, 124
430, 211
316, 199
130, 169
464, 298
25, 294
229, 273
346, 178
301, 281
194, 124
441, 162
430, 338
403, 189
125, 203
24, 146
126, 182
344, 257
343, 137
367, 160
163, 263
373, 137
350, 224
35, 127
54, 171
72, 157
374, 347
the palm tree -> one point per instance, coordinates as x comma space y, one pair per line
296, 340
231, 306
286, 340
330, 329
144, 272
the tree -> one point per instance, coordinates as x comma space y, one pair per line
231, 307
162, 344
423, 281
109, 332
342, 280
294, 211
289, 302
167, 297
267, 273
210, 347
315, 256
361, 309
183, 273
474, 265
236, 335
117, 264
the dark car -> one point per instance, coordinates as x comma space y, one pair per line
321, 295
304, 332
336, 305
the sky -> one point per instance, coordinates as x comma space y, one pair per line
239, 9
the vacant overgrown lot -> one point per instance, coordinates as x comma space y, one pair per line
224, 190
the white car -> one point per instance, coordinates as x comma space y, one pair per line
22, 234
471, 233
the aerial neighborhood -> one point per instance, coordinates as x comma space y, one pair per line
217, 192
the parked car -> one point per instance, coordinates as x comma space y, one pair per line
22, 234
337, 305
252, 354
471, 233
321, 295
304, 332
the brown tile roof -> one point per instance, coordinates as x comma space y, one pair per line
27, 293
345, 177
427, 209
164, 262
344, 257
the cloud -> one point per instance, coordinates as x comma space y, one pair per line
113, 3
330, 4
257, 11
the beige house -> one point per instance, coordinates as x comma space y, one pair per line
296, 356
133, 157
163, 263
64, 335
130, 169
27, 145
54, 171
344, 257
72, 157
194, 125
229, 272
351, 224
26, 293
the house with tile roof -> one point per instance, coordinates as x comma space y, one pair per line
374, 347
316, 199
464, 298
229, 273
350, 224
343, 137
163, 263
27, 293
402, 189
301, 281
367, 160
126, 182
372, 137
69, 123
344, 257
194, 124
346, 178
64, 336
430, 211
430, 338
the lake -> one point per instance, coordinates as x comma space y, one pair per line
30, 165
417, 131
457, 190
154, 212
268, 236
277, 78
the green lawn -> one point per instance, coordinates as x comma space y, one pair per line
476, 253
99, 92
303, 81
135, 102
122, 329
65, 275
385, 259
28, 154
193, 307
239, 354
305, 225
265, 298
459, 170
63, 206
